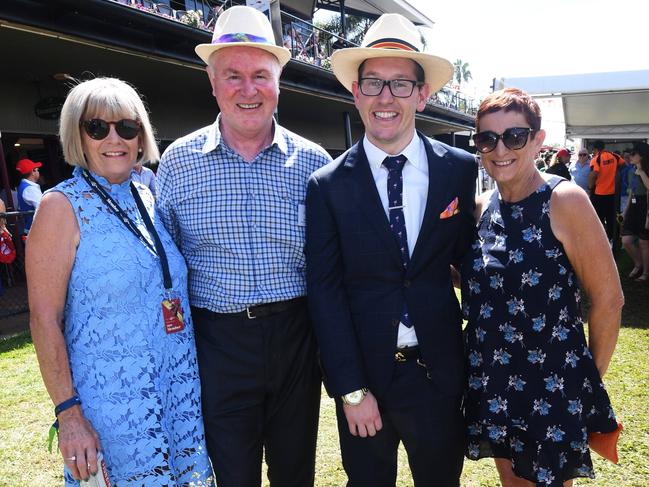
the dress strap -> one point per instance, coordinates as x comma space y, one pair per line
554, 181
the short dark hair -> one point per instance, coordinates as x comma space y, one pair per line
419, 71
511, 100
599, 145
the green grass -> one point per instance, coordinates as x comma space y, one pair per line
26, 414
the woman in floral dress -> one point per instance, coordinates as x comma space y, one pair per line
534, 384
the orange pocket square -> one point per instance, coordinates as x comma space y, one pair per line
451, 209
605, 444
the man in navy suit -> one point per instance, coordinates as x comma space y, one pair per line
385, 221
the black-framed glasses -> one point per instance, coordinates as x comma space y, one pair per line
99, 129
400, 88
514, 138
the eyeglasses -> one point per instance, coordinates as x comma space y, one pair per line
583, 155
400, 88
99, 129
514, 138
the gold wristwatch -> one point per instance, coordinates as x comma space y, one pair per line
356, 397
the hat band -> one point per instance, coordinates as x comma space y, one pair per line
391, 43
241, 37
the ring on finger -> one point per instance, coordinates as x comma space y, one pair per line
73, 458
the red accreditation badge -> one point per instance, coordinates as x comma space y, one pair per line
172, 313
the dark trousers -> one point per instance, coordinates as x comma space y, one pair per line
605, 208
429, 424
260, 390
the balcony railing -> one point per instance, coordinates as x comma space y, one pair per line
308, 44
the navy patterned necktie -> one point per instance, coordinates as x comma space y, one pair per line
395, 210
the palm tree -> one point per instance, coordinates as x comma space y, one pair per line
462, 71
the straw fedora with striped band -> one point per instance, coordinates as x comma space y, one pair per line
245, 27
392, 35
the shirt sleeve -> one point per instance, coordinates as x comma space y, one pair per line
164, 201
32, 195
152, 184
593, 164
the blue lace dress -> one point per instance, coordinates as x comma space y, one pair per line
533, 392
139, 386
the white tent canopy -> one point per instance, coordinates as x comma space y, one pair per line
611, 105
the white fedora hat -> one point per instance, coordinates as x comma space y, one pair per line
243, 26
392, 35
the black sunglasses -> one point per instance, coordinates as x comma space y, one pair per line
99, 129
514, 138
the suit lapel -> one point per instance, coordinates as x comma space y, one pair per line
368, 199
438, 197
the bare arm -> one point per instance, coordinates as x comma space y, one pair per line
575, 224
50, 254
592, 181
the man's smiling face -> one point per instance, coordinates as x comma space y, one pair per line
245, 83
390, 121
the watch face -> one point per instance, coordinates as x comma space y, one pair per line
354, 397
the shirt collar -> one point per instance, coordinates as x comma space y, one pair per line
375, 156
32, 183
214, 137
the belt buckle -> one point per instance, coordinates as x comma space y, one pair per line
249, 314
399, 356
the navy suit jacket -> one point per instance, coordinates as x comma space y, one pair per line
356, 281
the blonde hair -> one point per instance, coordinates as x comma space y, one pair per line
107, 97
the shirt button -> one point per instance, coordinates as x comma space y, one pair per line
406, 283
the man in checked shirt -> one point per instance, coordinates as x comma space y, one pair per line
232, 195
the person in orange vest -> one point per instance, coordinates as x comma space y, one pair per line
601, 183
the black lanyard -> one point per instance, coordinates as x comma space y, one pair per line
131, 226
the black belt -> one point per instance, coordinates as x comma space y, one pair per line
266, 309
406, 353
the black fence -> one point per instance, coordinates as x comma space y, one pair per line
13, 285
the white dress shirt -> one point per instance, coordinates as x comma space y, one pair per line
415, 193
32, 194
146, 177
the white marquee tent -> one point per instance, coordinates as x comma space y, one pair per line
612, 105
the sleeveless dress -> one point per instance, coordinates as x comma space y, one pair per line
533, 392
139, 386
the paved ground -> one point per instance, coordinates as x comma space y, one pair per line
14, 324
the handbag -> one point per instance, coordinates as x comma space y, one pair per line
605, 444
7, 248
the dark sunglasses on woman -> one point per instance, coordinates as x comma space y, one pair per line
99, 129
514, 138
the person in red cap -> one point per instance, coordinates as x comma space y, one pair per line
560, 164
29, 191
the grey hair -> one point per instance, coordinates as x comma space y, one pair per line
106, 97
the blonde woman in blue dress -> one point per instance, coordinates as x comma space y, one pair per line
108, 304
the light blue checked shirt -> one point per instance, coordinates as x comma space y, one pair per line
240, 225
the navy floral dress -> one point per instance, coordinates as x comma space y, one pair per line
533, 392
